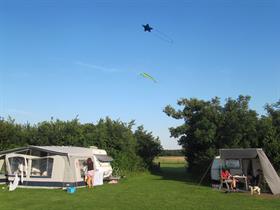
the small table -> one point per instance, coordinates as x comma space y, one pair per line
238, 177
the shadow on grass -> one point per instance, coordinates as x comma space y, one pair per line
178, 172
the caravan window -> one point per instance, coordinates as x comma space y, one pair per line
42, 167
2, 167
15, 165
232, 164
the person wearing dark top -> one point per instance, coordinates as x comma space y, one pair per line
90, 172
257, 178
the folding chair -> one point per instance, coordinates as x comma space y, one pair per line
226, 182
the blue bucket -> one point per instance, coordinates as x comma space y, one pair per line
71, 189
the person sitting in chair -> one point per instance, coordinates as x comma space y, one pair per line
227, 177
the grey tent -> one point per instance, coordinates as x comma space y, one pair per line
260, 161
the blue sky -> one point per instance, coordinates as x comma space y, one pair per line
63, 58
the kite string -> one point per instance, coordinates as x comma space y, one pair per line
163, 36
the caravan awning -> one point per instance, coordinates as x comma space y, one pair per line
104, 158
238, 153
269, 172
21, 149
58, 150
65, 150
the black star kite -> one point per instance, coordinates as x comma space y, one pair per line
147, 27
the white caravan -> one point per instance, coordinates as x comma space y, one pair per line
102, 162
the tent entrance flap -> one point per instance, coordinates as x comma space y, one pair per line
269, 173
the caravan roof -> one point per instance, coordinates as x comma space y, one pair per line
62, 150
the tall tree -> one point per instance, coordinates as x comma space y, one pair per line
238, 124
197, 134
269, 133
148, 147
10, 134
209, 126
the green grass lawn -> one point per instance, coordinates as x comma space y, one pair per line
171, 188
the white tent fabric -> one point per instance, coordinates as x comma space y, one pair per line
20, 167
13, 185
98, 177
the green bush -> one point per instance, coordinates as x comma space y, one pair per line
116, 137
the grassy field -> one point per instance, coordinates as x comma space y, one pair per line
170, 188
170, 160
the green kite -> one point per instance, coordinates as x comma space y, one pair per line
145, 75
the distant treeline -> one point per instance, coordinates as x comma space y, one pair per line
131, 150
172, 152
208, 126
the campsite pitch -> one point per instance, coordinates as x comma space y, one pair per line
171, 188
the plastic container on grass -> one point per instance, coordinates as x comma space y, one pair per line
71, 190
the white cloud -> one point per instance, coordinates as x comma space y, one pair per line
18, 112
98, 68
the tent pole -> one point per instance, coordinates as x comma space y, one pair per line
202, 178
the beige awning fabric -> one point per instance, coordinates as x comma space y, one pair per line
269, 172
60, 150
66, 150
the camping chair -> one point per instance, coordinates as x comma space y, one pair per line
116, 172
115, 175
226, 182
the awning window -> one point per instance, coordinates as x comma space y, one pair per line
104, 158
